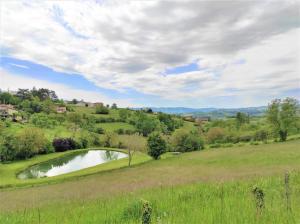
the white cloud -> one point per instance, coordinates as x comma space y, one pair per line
13, 82
129, 44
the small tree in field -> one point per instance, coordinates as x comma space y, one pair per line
156, 145
282, 115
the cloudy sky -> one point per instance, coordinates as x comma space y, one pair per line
153, 53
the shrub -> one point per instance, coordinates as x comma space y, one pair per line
245, 138
261, 135
109, 139
64, 144
156, 145
48, 148
99, 130
30, 142
120, 131
184, 141
8, 150
215, 134
100, 109
43, 120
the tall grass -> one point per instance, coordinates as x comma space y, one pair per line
228, 203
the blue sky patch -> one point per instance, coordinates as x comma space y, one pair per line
183, 69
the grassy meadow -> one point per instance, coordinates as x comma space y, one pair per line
210, 186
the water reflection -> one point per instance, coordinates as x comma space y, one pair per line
69, 163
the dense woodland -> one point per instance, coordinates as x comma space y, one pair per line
36, 127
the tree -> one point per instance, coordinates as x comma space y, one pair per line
123, 114
29, 142
185, 141
156, 145
74, 101
114, 106
241, 118
168, 121
281, 114
145, 124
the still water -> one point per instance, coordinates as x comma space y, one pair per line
69, 163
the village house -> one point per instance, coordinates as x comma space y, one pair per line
202, 119
98, 104
7, 110
61, 109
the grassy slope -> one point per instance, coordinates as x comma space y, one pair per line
9, 171
104, 196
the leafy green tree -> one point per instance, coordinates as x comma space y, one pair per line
156, 145
185, 141
282, 114
167, 120
30, 141
8, 150
241, 118
145, 124
114, 106
123, 114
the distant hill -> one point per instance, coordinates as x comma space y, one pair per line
212, 112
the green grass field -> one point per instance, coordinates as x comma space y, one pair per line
112, 126
210, 186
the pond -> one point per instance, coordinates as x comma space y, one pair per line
70, 163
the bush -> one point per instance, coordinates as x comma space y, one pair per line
120, 131
99, 130
30, 141
64, 144
261, 135
184, 141
110, 139
215, 134
245, 138
43, 120
8, 150
101, 109
48, 148
156, 145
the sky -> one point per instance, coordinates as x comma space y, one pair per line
153, 53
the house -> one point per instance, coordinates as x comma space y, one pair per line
61, 109
80, 103
202, 119
7, 110
98, 104
188, 118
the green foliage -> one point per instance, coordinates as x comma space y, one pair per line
241, 118
282, 114
8, 150
30, 141
215, 135
145, 124
168, 121
146, 213
124, 114
109, 139
114, 106
100, 109
156, 145
185, 141
43, 120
